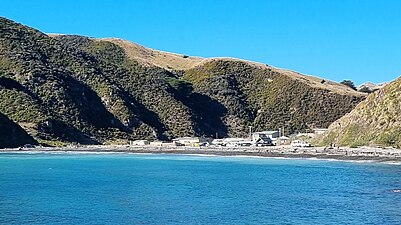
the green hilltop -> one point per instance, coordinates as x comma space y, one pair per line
64, 89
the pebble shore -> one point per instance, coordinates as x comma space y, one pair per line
341, 153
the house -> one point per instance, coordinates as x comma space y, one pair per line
156, 143
191, 141
139, 142
232, 142
263, 135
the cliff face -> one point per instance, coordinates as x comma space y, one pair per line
63, 89
375, 121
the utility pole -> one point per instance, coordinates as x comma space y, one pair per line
250, 132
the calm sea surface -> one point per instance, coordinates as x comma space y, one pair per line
180, 189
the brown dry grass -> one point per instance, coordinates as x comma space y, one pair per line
162, 59
172, 61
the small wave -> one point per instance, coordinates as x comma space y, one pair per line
392, 162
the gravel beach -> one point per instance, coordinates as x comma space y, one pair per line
341, 153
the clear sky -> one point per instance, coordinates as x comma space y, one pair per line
335, 39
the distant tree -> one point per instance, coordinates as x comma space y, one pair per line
349, 83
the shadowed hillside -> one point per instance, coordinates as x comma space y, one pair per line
12, 135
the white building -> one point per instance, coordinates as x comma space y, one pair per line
192, 141
232, 142
139, 142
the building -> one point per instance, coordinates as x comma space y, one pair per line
232, 142
139, 142
319, 131
263, 135
192, 141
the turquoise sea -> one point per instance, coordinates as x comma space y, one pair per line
181, 189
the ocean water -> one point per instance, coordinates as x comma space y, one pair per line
180, 189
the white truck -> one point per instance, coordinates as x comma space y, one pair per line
300, 143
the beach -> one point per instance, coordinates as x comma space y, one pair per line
338, 153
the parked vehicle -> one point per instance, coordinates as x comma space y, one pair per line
300, 143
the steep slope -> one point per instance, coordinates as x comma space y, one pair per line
267, 98
375, 121
64, 89
12, 135
61, 106
155, 100
85, 91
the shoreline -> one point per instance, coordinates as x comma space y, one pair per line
345, 154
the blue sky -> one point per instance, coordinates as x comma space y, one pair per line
344, 39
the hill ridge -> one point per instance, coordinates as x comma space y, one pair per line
193, 61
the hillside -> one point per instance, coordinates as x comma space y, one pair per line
177, 62
72, 89
375, 121
268, 98
12, 135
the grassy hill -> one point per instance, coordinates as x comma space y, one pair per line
375, 121
267, 98
71, 89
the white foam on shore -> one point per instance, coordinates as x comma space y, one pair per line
392, 163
